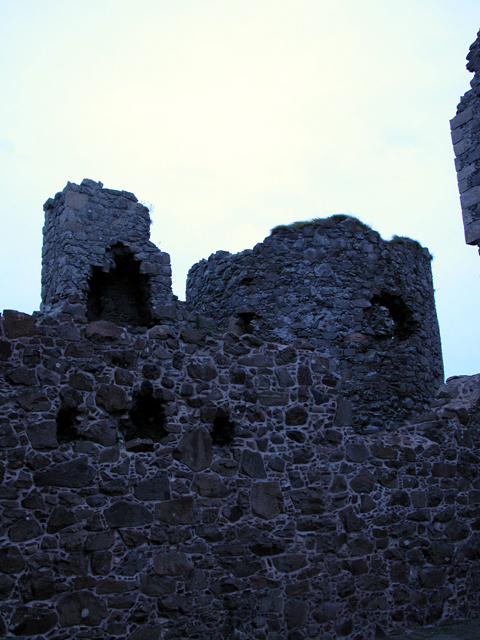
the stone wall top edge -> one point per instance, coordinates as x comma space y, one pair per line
89, 187
309, 228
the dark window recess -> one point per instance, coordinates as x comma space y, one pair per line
67, 426
146, 418
245, 321
223, 430
121, 294
389, 317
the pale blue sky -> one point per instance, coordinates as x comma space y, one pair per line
230, 117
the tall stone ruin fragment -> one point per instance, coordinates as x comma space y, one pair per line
465, 128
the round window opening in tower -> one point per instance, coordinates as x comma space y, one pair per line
390, 318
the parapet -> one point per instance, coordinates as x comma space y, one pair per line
352, 296
98, 261
465, 127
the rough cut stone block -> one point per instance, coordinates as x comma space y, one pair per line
33, 621
11, 560
267, 500
112, 398
195, 450
17, 325
179, 511
146, 632
289, 562
102, 330
210, 486
74, 473
81, 608
462, 146
470, 197
356, 452
252, 464
127, 514
461, 118
472, 232
296, 416
153, 490
172, 563
76, 200
61, 517
43, 435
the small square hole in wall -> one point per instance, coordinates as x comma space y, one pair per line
146, 418
223, 430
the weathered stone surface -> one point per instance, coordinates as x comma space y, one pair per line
154, 489
289, 562
156, 586
267, 500
39, 585
81, 608
202, 371
17, 325
102, 330
179, 511
210, 486
296, 416
432, 578
112, 398
43, 435
356, 452
25, 530
61, 517
195, 449
75, 473
11, 560
146, 632
171, 563
6, 587
127, 514
33, 621
252, 464
100, 541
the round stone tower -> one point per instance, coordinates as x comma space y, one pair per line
336, 286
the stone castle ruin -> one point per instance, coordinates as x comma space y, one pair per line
275, 458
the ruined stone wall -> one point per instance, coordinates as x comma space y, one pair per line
353, 296
90, 235
465, 127
185, 483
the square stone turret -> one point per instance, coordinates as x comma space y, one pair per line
98, 262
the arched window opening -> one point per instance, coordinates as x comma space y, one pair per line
146, 418
67, 426
223, 429
245, 321
389, 317
122, 293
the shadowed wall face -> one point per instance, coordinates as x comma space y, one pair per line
122, 294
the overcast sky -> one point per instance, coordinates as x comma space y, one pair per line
229, 117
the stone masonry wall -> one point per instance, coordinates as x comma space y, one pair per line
465, 127
247, 512
356, 298
83, 224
